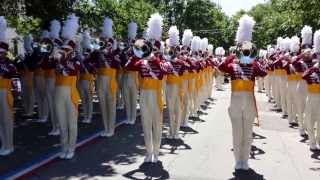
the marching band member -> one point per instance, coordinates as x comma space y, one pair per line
281, 76
195, 45
301, 64
269, 79
86, 81
186, 100
174, 82
7, 71
219, 52
260, 80
26, 71
130, 78
151, 72
292, 83
242, 111
39, 81
211, 70
106, 80
48, 66
312, 113
66, 94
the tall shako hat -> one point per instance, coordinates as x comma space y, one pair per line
219, 51
244, 32
4, 42
306, 35
316, 42
55, 28
86, 41
210, 49
186, 40
27, 42
294, 44
285, 45
174, 38
154, 30
132, 30
195, 44
69, 31
107, 31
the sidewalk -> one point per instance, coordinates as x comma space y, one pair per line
204, 154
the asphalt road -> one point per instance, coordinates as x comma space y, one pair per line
205, 152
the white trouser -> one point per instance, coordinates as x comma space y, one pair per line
274, 88
283, 94
151, 117
67, 115
192, 101
185, 103
260, 83
130, 93
50, 87
40, 96
120, 98
242, 114
301, 96
27, 93
277, 80
86, 98
107, 103
210, 85
174, 108
268, 81
6, 121
291, 102
219, 81
312, 117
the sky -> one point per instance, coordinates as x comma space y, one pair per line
230, 7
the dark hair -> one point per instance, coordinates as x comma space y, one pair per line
146, 48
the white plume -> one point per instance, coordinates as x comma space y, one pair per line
279, 41
187, 37
306, 35
285, 44
45, 34
86, 40
204, 44
295, 44
174, 39
55, 28
316, 41
3, 30
262, 53
27, 42
107, 28
220, 51
245, 29
270, 50
154, 30
195, 44
70, 27
132, 30
210, 49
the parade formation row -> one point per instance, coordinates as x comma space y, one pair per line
58, 71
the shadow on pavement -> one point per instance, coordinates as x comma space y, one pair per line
257, 136
174, 144
148, 171
246, 175
304, 139
316, 155
255, 151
